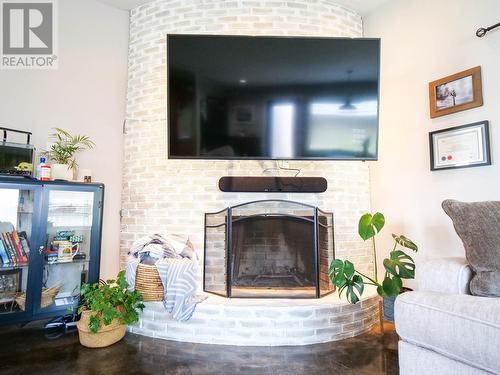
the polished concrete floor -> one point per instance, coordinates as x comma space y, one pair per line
31, 350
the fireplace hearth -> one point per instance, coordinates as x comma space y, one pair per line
268, 249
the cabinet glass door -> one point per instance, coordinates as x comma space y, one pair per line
67, 252
16, 222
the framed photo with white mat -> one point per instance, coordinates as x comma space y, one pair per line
456, 93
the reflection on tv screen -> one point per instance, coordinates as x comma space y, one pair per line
241, 97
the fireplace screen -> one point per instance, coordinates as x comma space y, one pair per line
269, 248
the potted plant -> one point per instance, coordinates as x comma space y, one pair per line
62, 153
106, 310
397, 267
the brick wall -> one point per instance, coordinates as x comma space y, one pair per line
170, 196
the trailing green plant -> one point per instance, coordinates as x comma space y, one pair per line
111, 300
66, 145
398, 266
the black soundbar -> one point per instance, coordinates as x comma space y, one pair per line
273, 184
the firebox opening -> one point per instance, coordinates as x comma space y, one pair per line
273, 256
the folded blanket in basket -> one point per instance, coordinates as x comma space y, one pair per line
178, 273
154, 246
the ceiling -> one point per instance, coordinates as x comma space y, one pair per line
125, 4
363, 7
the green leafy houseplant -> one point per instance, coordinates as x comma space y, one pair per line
397, 267
65, 147
111, 300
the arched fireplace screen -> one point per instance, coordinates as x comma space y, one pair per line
268, 248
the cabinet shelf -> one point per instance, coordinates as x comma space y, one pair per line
78, 261
6, 267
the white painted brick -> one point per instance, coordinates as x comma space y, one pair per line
302, 333
154, 306
170, 196
154, 326
246, 328
328, 331
342, 319
287, 324
300, 313
150, 178
326, 311
313, 323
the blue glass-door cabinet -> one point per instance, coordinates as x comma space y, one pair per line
50, 243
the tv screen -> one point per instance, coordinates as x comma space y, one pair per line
245, 97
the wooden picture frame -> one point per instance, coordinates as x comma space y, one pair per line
462, 146
456, 93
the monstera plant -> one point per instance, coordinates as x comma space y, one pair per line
397, 267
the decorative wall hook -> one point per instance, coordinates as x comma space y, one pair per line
482, 31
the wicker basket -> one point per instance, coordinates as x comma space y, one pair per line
148, 282
106, 336
48, 297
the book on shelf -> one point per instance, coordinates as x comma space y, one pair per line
10, 251
13, 248
4, 254
24, 242
19, 247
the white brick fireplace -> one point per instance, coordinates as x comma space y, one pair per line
171, 196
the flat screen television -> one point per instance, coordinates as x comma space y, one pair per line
253, 97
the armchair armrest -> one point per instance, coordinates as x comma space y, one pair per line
445, 275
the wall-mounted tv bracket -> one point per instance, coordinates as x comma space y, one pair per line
483, 30
5, 130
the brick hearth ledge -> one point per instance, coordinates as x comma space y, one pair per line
263, 322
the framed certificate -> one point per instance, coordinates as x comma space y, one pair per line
460, 147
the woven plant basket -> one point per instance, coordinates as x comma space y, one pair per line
48, 297
106, 336
148, 282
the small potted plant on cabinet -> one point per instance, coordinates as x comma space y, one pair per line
106, 310
62, 153
397, 267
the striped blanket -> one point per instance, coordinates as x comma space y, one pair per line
179, 278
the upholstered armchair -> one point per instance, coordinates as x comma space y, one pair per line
442, 328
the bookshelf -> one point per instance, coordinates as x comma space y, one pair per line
50, 243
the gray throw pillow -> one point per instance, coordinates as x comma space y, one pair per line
478, 225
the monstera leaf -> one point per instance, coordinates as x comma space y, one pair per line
405, 241
342, 275
369, 225
353, 288
391, 286
340, 271
400, 265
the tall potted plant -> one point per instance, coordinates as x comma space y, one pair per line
62, 153
106, 310
397, 267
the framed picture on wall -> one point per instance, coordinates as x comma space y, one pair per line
460, 147
456, 93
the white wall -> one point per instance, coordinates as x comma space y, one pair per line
424, 40
86, 95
